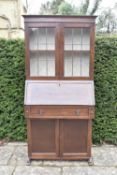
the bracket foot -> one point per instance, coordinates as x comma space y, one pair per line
91, 161
28, 162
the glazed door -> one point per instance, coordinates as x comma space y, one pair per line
76, 52
74, 143
77, 45
42, 44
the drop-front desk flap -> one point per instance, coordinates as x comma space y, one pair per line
59, 93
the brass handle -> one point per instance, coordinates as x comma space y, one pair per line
40, 112
78, 112
91, 111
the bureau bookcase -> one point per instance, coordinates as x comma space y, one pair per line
59, 88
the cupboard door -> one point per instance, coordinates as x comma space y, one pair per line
44, 138
74, 139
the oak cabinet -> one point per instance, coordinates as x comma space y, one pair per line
59, 89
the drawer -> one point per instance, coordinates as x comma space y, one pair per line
59, 111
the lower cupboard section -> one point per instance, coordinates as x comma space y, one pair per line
59, 138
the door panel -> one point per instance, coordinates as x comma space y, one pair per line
73, 138
45, 137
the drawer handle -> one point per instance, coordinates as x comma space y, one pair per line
40, 112
91, 111
78, 112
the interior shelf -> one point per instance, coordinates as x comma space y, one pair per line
74, 51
